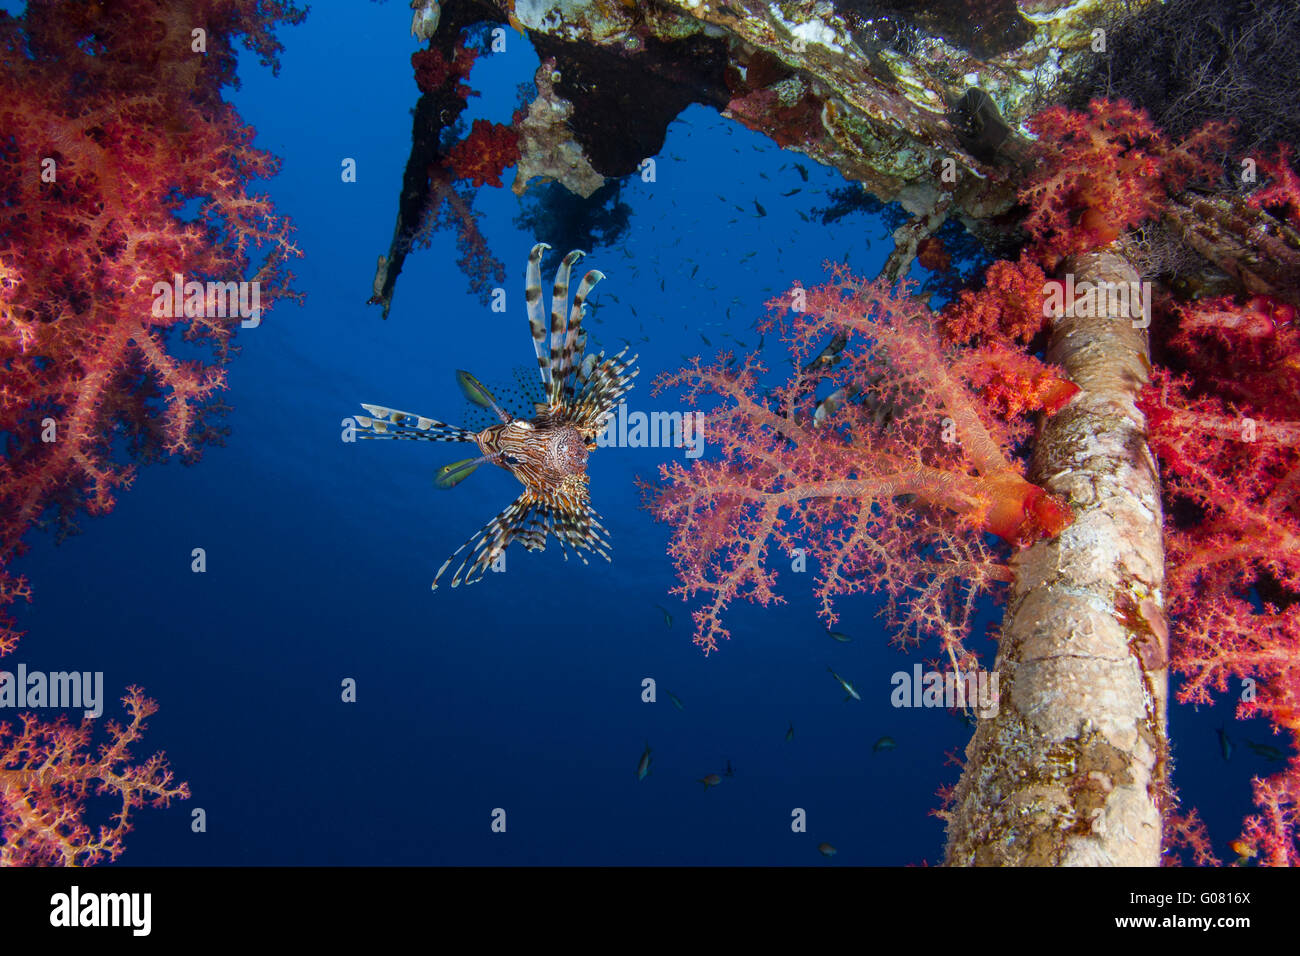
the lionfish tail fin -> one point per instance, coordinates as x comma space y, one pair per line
385, 422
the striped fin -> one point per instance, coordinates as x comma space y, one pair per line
385, 422
529, 520
605, 382
536, 311
559, 305
576, 338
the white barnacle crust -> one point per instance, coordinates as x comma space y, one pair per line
816, 31
424, 22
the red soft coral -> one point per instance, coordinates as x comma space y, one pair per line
433, 71
484, 154
1229, 443
1008, 307
101, 152
1282, 194
1104, 171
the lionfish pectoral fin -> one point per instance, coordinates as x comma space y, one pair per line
449, 476
488, 542
384, 422
478, 394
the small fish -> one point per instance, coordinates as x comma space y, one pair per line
695, 270
825, 849
789, 733
848, 688
802, 172
1245, 852
842, 638
668, 618
759, 206
803, 215
712, 780
643, 766
730, 771
705, 339
746, 257
884, 743
791, 192
676, 701
1265, 751
1225, 744
829, 405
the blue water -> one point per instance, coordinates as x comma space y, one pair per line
523, 692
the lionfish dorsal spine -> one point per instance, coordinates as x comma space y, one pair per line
537, 311
576, 337
559, 323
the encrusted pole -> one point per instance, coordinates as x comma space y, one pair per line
1071, 771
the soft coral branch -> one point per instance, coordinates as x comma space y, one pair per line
47, 773
135, 127
900, 509
1230, 447
1106, 170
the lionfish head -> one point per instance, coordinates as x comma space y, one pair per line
566, 452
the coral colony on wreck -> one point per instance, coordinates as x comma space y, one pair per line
1088, 299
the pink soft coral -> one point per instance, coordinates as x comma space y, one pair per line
48, 771
891, 492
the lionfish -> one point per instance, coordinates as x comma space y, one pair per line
548, 452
